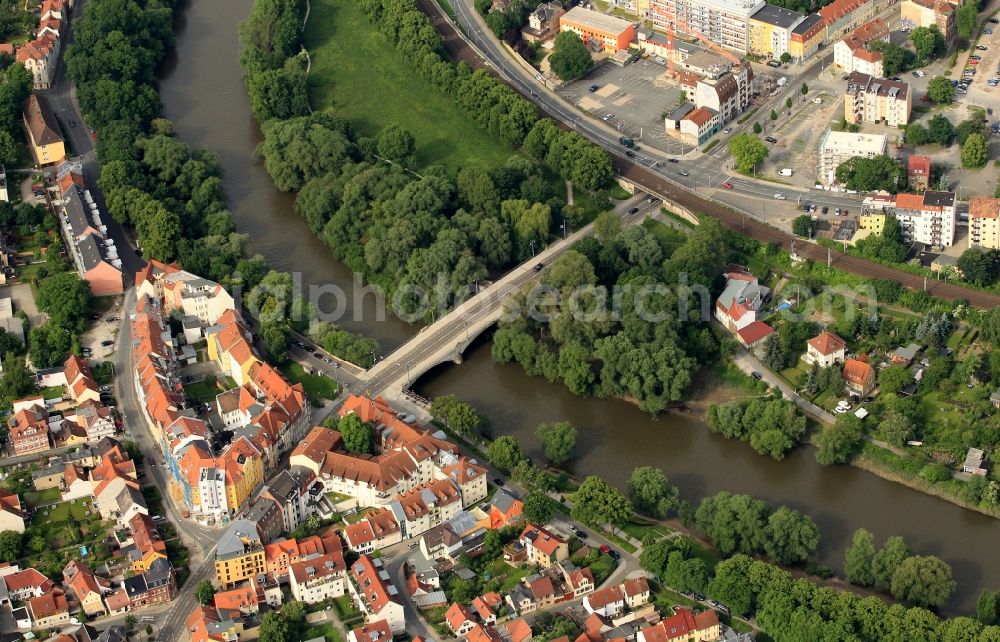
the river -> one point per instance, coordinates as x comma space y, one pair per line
203, 93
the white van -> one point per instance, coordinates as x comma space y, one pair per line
786, 171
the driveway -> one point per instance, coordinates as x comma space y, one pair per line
24, 299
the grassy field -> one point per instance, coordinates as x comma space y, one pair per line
316, 386
325, 631
357, 72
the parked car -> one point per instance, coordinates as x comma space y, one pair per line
825, 209
756, 375
727, 185
981, 48
498, 481
727, 130
318, 355
817, 100
683, 172
107, 342
607, 117
672, 160
771, 139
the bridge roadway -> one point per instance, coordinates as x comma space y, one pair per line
446, 339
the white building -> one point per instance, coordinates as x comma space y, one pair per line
188, 293
854, 53
318, 578
927, 218
374, 593
837, 147
724, 22
825, 349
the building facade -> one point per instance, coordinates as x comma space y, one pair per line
854, 52
613, 34
724, 22
837, 147
770, 31
984, 222
877, 100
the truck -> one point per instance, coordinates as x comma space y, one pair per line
785, 171
782, 81
627, 142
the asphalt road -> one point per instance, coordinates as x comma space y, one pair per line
652, 179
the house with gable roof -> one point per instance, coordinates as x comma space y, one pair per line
738, 308
825, 349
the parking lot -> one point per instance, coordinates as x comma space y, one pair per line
634, 95
979, 91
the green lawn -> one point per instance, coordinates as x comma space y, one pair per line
62, 512
316, 386
202, 391
326, 631
512, 575
358, 72
42, 497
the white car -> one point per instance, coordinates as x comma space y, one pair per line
840, 410
779, 196
607, 117
843, 404
818, 101
727, 130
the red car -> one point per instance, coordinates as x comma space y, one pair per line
728, 185
973, 62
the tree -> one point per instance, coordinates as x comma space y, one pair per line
730, 585
66, 299
505, 453
803, 226
804, 89
748, 151
558, 440
923, 581
757, 129
870, 174
988, 607
396, 144
774, 115
939, 90
785, 57
928, 43
965, 20
894, 378
838, 443
130, 622
858, 559
607, 226
979, 265
974, 151
940, 130
652, 493
895, 428
456, 414
916, 134
357, 434
895, 59
734, 523
570, 58
273, 628
791, 536
537, 507
788, 103
774, 356
596, 502
887, 560
10, 545
205, 592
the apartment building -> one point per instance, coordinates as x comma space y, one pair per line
806, 37
844, 16
837, 147
724, 22
924, 13
984, 222
239, 554
770, 31
927, 218
47, 145
853, 53
93, 252
318, 578
374, 593
877, 100
181, 291
610, 33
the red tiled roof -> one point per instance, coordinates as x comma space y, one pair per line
826, 343
518, 630
457, 615
699, 116
377, 631
984, 207
918, 165
754, 332
857, 371
541, 539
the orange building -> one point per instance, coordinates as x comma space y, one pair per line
613, 33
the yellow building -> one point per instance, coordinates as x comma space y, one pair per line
145, 560
873, 222
984, 222
770, 31
244, 472
806, 37
43, 132
239, 554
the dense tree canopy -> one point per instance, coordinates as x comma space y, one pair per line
570, 58
771, 426
652, 493
748, 151
558, 440
871, 174
596, 502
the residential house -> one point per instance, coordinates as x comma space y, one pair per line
469, 477
929, 218
317, 578
24, 584
484, 634
289, 489
505, 509
543, 547
487, 607
88, 588
738, 307
40, 56
239, 554
80, 383
426, 506
543, 22
377, 530
12, 516
187, 294
724, 22
44, 138
543, 592
696, 126
94, 419
825, 349
377, 631
859, 376
869, 99
924, 13
984, 222
155, 586
684, 626
374, 594
855, 53
580, 581
918, 173
905, 355
29, 428
518, 630
843, 16
973, 464
147, 544
94, 254
807, 37
209, 624
636, 591
607, 602
49, 610
460, 619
